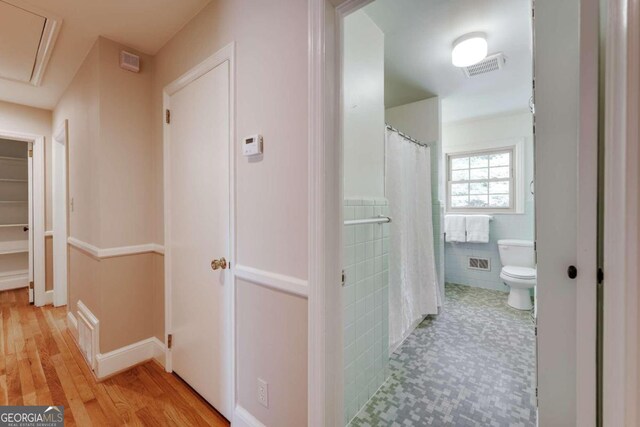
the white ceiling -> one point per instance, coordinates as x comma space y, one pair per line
143, 25
418, 39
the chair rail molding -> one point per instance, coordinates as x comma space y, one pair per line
117, 251
271, 280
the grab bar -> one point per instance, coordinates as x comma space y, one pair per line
377, 220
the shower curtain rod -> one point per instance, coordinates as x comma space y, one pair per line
405, 136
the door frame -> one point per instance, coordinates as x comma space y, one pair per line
60, 260
37, 210
621, 350
226, 54
325, 374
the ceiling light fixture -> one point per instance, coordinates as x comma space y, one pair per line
469, 49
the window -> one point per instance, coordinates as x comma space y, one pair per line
481, 181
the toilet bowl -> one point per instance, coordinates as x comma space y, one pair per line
518, 271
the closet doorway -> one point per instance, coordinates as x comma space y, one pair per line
22, 214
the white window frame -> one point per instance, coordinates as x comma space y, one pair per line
517, 187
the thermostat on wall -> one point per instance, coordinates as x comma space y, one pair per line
252, 145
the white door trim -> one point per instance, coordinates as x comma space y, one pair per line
38, 209
587, 225
325, 219
227, 53
60, 260
621, 183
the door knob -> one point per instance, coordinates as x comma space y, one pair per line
219, 264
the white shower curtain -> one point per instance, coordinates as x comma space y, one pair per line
413, 280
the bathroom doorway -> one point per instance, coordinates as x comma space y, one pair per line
507, 167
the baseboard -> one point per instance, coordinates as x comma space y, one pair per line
14, 280
243, 418
123, 358
72, 325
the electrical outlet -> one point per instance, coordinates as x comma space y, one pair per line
263, 392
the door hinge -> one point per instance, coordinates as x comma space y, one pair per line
30, 285
344, 277
167, 116
600, 275
170, 340
535, 329
30, 153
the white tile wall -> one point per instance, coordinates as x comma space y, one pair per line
502, 227
366, 306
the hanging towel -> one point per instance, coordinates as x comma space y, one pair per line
478, 228
454, 228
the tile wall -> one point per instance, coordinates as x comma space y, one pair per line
366, 303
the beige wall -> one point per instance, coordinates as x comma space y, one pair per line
116, 290
109, 113
271, 88
80, 105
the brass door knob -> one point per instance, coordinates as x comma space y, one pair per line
219, 264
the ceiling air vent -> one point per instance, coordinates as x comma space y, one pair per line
490, 63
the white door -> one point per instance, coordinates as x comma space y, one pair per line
566, 43
59, 214
198, 233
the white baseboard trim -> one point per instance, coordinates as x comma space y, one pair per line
115, 251
243, 418
72, 324
280, 282
48, 297
125, 357
14, 280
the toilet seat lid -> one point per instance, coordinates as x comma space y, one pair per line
519, 272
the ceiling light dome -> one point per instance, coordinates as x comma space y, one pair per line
469, 49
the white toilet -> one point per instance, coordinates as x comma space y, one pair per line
518, 271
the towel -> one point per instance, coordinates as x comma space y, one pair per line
478, 228
454, 228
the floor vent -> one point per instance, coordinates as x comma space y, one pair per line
483, 264
87, 334
487, 65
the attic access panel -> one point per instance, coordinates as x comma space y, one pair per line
27, 36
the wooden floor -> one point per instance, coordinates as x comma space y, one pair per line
41, 365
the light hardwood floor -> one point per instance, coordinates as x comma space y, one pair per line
41, 365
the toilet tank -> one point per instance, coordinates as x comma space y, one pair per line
518, 253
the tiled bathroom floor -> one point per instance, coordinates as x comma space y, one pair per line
472, 365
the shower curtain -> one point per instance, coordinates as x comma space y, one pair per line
413, 280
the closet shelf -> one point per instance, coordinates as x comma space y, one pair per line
14, 251
14, 159
15, 202
18, 247
13, 225
13, 180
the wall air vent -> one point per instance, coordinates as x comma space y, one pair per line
129, 61
475, 263
491, 63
